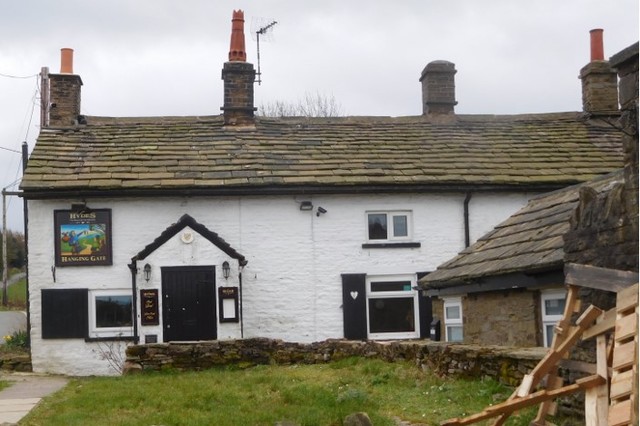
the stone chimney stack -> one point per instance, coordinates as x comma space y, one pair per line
599, 80
238, 76
438, 88
61, 94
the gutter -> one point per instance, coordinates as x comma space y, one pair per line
551, 274
192, 191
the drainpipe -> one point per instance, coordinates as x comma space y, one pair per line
133, 266
240, 291
467, 238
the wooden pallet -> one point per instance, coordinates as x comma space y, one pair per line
624, 379
605, 404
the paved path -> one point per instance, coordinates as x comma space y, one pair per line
26, 390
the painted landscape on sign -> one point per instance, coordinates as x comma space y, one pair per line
82, 239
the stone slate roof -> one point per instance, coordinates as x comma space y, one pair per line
529, 241
322, 154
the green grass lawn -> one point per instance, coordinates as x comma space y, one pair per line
263, 395
16, 296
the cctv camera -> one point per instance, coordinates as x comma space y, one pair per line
321, 210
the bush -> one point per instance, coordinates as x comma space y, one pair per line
18, 339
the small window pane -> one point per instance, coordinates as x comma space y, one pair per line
391, 286
452, 312
454, 333
113, 311
554, 306
549, 334
400, 228
378, 226
391, 315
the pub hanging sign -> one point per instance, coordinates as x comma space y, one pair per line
82, 238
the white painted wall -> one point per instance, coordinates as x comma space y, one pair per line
292, 286
489, 209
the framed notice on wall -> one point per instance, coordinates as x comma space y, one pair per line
228, 304
82, 238
149, 307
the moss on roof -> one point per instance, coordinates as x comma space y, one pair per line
175, 153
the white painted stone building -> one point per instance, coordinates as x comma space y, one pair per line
326, 224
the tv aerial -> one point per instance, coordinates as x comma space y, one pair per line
261, 27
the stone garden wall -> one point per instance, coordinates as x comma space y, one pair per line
15, 362
507, 365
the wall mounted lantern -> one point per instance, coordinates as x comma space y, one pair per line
147, 272
306, 206
225, 269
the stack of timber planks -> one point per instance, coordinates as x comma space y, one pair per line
611, 394
624, 379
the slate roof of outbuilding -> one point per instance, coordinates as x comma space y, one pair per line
200, 153
528, 241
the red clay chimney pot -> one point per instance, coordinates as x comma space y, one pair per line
237, 51
66, 61
597, 46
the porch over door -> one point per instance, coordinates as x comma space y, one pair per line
188, 303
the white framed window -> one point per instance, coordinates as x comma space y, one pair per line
552, 304
453, 319
389, 226
110, 313
392, 307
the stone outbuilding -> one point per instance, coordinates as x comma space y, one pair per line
508, 288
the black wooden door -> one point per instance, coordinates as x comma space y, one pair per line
354, 306
188, 303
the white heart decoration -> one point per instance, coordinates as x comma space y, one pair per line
354, 295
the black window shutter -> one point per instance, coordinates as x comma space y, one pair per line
354, 306
64, 313
426, 310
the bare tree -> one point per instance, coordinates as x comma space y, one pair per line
310, 105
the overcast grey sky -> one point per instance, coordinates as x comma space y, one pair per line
164, 57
